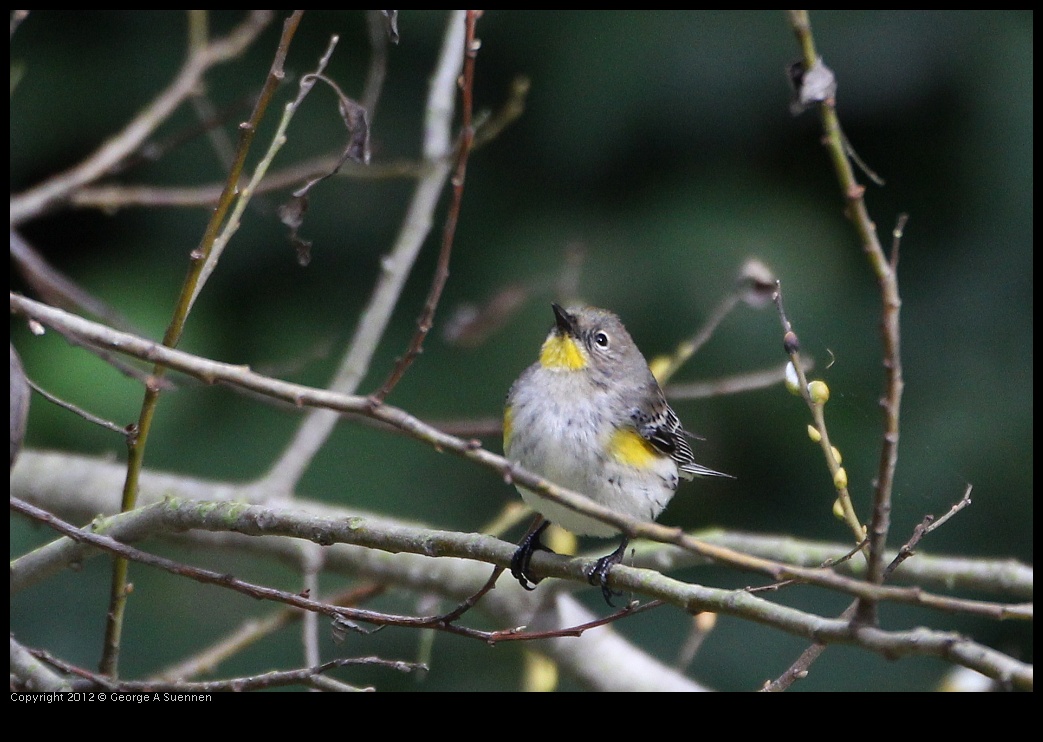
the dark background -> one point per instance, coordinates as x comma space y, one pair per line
662, 143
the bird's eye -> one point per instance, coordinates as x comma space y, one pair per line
601, 339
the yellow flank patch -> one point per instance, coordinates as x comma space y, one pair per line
561, 351
508, 425
628, 447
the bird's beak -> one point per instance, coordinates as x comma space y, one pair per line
566, 323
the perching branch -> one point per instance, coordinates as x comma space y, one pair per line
212, 371
239, 522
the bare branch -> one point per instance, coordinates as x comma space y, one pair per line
46, 195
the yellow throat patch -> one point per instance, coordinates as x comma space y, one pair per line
561, 352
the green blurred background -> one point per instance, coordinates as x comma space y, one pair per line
663, 145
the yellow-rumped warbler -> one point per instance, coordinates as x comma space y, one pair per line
590, 416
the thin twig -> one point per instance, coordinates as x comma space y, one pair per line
378, 49
138, 443
112, 197
830, 562
472, 600
799, 669
928, 524
733, 384
665, 368
274, 679
631, 609
885, 271
251, 632
317, 425
220, 241
47, 195
463, 151
108, 425
56, 288
791, 345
